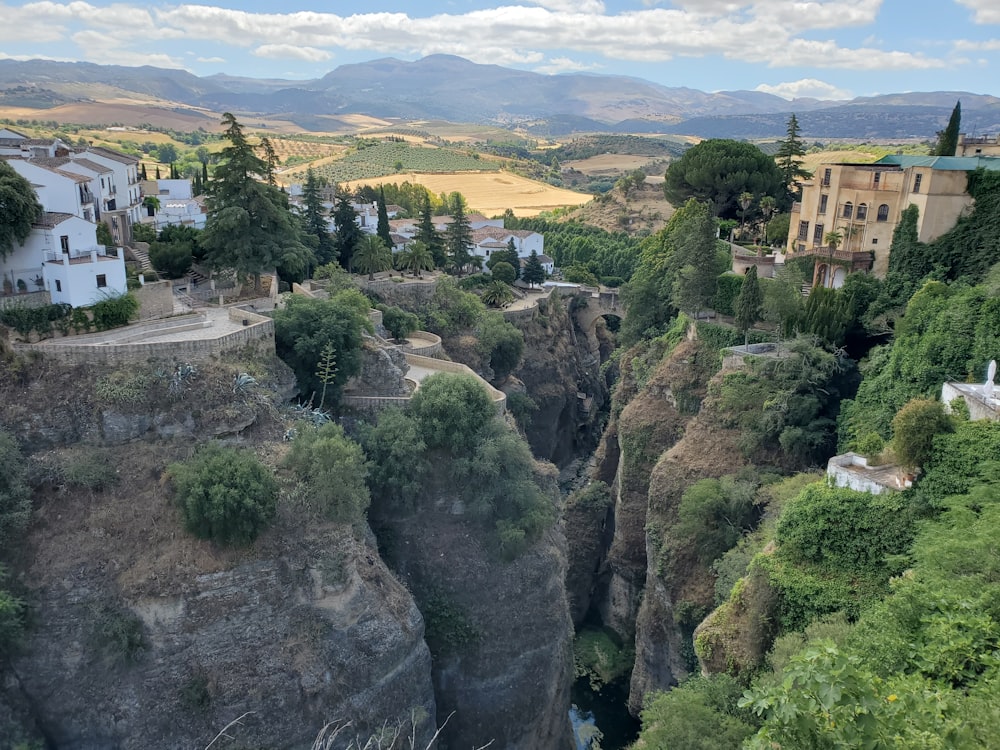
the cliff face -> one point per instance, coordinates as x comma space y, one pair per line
142, 635
500, 631
558, 364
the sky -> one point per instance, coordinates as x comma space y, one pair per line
829, 49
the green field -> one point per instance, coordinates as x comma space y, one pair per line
386, 159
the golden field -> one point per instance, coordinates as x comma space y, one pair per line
489, 193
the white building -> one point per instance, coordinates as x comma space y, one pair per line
178, 206
122, 197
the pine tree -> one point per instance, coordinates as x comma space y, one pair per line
315, 220
430, 236
458, 238
748, 304
250, 227
270, 160
383, 220
348, 235
790, 152
948, 138
694, 265
533, 271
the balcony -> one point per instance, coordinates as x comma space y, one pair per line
86, 197
82, 255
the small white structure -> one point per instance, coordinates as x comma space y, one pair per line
852, 471
981, 400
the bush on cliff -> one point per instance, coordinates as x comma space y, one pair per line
333, 468
225, 494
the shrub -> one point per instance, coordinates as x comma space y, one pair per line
334, 470
398, 322
396, 450
522, 407
726, 293
118, 633
502, 342
15, 496
115, 312
225, 494
90, 469
504, 272
914, 428
172, 259
453, 411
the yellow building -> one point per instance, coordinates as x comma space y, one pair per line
978, 145
863, 204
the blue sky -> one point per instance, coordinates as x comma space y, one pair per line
826, 48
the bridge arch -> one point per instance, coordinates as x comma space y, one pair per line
599, 302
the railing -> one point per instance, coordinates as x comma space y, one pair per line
53, 256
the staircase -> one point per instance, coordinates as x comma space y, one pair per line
140, 252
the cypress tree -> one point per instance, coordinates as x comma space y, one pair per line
348, 232
748, 304
948, 138
790, 152
383, 220
458, 238
315, 220
430, 236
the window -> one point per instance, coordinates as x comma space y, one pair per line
803, 230
64, 244
58, 285
916, 183
822, 203
878, 178
102, 281
883, 212
848, 210
826, 176
818, 235
874, 240
862, 211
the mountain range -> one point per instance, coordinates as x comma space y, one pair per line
444, 87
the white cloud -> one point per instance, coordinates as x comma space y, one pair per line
572, 6
968, 45
810, 87
564, 65
211, 59
292, 52
983, 11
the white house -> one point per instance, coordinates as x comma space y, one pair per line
178, 207
58, 191
61, 256
120, 203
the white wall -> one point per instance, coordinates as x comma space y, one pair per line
55, 192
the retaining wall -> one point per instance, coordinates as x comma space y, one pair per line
429, 344
156, 299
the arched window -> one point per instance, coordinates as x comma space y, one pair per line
848, 210
883, 212
862, 211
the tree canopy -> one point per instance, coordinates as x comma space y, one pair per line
948, 138
717, 170
19, 209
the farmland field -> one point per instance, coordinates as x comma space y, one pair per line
383, 159
489, 193
611, 164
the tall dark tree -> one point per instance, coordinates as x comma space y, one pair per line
348, 233
314, 218
270, 160
430, 236
382, 230
19, 209
948, 138
533, 271
173, 171
458, 239
790, 152
748, 303
716, 171
694, 265
157, 172
250, 227
142, 171
506, 256
204, 173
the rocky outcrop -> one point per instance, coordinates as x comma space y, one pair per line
143, 636
382, 372
562, 376
500, 631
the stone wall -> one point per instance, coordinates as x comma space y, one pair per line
156, 299
424, 343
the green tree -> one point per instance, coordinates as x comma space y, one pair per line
270, 160
914, 428
716, 171
305, 326
506, 256
249, 227
103, 234
19, 209
694, 264
453, 411
396, 450
504, 272
748, 304
315, 220
533, 271
790, 152
334, 471
225, 494
458, 238
348, 233
398, 322
15, 495
167, 153
744, 201
382, 229
171, 259
698, 714
497, 294
372, 256
768, 206
947, 142
416, 258
500, 341
427, 234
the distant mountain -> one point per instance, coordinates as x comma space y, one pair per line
452, 88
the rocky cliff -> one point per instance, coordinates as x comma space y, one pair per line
500, 631
142, 635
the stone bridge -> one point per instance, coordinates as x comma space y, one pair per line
599, 302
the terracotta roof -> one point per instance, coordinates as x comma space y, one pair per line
50, 219
545, 259
92, 165
77, 178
